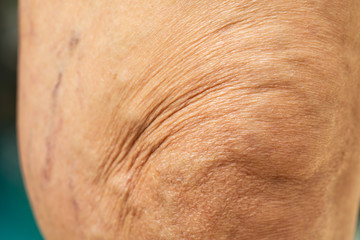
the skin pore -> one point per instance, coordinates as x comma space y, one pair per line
166, 119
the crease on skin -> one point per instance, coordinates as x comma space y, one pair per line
136, 129
132, 143
127, 213
153, 120
138, 158
165, 108
172, 102
55, 128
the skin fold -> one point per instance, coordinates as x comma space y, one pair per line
198, 119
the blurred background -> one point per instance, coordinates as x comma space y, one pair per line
16, 219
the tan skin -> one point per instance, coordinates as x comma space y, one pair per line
204, 119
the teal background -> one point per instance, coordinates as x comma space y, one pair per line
16, 219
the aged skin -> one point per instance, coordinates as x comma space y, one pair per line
203, 119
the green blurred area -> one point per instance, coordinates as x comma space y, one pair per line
16, 219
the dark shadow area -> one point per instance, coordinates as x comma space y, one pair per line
16, 219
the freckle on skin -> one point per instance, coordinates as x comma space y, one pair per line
74, 41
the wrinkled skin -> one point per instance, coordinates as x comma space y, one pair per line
200, 119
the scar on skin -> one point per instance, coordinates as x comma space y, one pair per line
51, 137
56, 88
73, 199
50, 146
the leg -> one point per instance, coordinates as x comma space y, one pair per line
191, 119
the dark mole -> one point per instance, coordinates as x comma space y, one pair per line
74, 41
